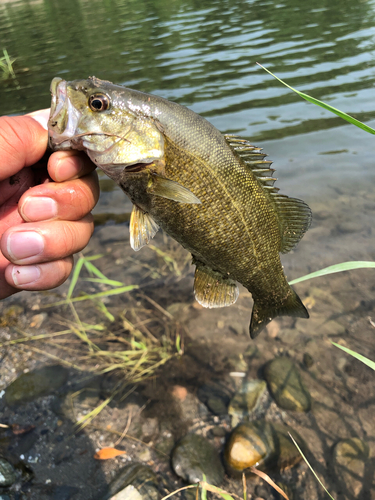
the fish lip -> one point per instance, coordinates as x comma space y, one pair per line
63, 119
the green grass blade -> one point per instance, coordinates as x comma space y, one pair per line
204, 491
114, 291
104, 281
94, 270
214, 489
322, 104
337, 268
75, 276
312, 470
364, 360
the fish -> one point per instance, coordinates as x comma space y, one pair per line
214, 193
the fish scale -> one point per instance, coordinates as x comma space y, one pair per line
214, 194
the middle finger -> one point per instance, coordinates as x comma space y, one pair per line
70, 200
46, 241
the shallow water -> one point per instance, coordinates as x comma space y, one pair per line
203, 55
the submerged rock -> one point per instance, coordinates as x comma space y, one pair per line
262, 445
246, 400
286, 385
133, 477
350, 457
129, 493
32, 385
7, 473
193, 457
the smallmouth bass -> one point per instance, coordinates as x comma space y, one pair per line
211, 192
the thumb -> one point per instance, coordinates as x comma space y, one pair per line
23, 142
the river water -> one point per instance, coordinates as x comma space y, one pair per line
203, 55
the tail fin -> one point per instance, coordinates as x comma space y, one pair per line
264, 313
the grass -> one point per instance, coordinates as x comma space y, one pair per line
6, 68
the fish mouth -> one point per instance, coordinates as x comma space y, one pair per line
63, 119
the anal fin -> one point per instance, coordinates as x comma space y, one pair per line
161, 186
211, 289
142, 228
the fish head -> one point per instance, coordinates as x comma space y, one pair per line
100, 118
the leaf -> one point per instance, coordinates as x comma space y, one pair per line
106, 453
364, 360
337, 268
322, 104
268, 480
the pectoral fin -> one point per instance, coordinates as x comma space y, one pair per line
160, 186
211, 289
142, 228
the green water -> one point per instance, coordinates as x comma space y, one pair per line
203, 55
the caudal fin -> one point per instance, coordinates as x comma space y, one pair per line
264, 313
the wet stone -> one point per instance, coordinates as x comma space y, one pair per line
193, 457
214, 397
129, 493
140, 477
250, 444
246, 400
308, 360
263, 445
350, 458
286, 385
30, 386
7, 473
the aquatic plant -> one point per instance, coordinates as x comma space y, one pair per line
6, 66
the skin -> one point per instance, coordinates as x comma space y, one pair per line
45, 206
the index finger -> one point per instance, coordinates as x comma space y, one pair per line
23, 142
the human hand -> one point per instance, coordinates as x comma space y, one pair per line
44, 206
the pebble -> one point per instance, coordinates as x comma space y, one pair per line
286, 385
193, 457
214, 397
350, 458
129, 493
7, 473
308, 360
140, 477
34, 384
263, 445
246, 400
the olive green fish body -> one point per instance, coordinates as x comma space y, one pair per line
214, 194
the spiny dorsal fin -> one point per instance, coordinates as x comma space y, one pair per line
211, 289
293, 214
142, 228
254, 159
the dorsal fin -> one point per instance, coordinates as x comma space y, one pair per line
293, 214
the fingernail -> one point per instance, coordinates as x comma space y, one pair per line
68, 167
36, 208
23, 275
41, 116
23, 244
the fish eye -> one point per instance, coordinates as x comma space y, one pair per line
99, 102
